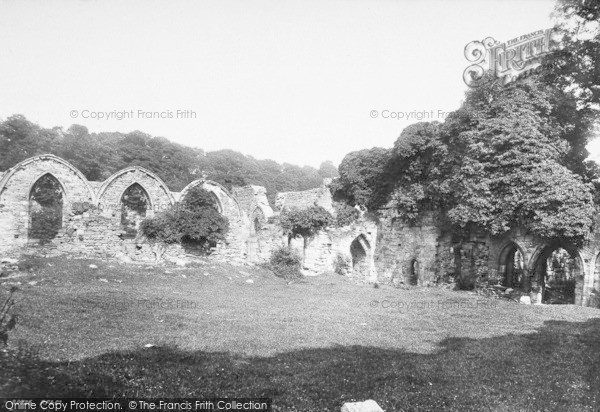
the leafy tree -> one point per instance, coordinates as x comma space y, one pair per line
365, 178
328, 170
99, 155
418, 169
304, 222
507, 163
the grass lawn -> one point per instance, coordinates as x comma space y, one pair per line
310, 345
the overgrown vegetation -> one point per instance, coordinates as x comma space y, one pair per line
194, 223
305, 223
285, 263
510, 156
8, 320
345, 214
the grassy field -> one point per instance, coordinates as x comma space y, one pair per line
232, 331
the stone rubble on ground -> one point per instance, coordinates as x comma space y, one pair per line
366, 406
525, 300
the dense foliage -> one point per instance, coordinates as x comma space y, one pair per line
285, 263
99, 155
345, 214
510, 156
365, 178
305, 222
195, 223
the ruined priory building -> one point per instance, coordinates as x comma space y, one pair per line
96, 220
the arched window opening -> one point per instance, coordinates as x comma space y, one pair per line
257, 225
512, 267
359, 251
134, 204
555, 275
45, 210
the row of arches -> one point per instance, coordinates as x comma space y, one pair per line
46, 209
554, 271
40, 195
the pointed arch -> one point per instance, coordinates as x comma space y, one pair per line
360, 251
512, 264
57, 164
550, 288
135, 202
220, 193
138, 173
46, 198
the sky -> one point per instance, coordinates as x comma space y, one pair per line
293, 81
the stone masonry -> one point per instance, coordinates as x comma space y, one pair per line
378, 247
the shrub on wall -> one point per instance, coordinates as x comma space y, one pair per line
196, 224
304, 222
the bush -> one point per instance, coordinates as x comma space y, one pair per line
285, 263
345, 214
197, 224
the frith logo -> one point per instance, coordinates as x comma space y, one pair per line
508, 60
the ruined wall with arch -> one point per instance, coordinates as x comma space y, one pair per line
93, 213
376, 249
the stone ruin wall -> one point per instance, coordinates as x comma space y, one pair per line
320, 196
393, 251
95, 230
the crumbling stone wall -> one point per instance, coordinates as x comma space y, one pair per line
301, 200
91, 224
15, 191
390, 250
404, 248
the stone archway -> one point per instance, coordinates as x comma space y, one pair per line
557, 274
360, 251
414, 272
594, 297
46, 199
134, 204
511, 266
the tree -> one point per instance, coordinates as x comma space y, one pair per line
417, 168
365, 178
304, 222
507, 164
328, 170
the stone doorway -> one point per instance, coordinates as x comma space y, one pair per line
512, 267
359, 250
557, 275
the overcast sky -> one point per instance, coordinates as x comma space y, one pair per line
293, 81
